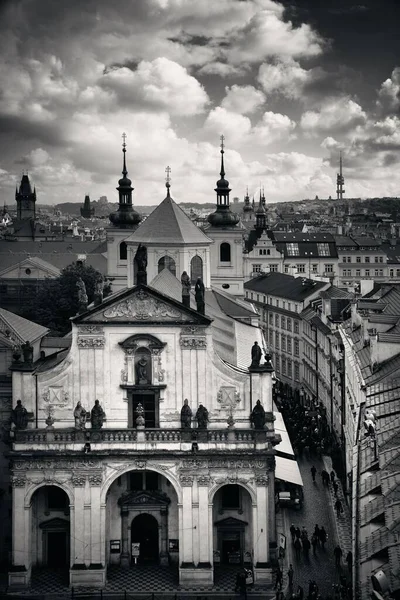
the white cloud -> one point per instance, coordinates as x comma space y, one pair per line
242, 99
161, 84
335, 115
221, 121
389, 93
273, 127
286, 78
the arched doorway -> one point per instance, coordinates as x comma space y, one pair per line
50, 534
144, 531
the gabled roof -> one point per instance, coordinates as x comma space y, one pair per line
168, 224
31, 261
285, 286
23, 329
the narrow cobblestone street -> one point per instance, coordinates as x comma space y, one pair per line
317, 509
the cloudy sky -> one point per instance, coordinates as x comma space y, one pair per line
288, 83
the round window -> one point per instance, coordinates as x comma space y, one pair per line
226, 286
28, 271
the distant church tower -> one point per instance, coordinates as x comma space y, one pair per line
86, 211
248, 208
26, 200
226, 252
124, 221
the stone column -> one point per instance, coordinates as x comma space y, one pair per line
164, 537
271, 512
125, 555
186, 522
78, 524
20, 571
96, 535
205, 545
262, 572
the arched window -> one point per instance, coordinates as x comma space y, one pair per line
123, 251
166, 262
196, 268
225, 252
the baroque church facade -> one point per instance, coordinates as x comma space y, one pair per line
145, 440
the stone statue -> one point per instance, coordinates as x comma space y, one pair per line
97, 416
256, 354
186, 415
186, 285
82, 295
98, 290
202, 417
19, 416
141, 264
80, 416
140, 415
258, 416
199, 295
27, 351
141, 371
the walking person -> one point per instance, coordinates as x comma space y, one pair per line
335, 488
324, 475
323, 536
290, 575
338, 556
313, 473
314, 543
316, 531
298, 533
278, 578
297, 548
306, 546
333, 476
349, 560
293, 532
338, 507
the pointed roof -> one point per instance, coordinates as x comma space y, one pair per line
25, 188
23, 329
168, 224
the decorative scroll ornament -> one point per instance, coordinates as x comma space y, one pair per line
18, 481
204, 480
262, 480
78, 480
95, 480
143, 307
186, 480
94, 342
87, 329
56, 396
193, 343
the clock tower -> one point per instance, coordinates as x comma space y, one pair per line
26, 200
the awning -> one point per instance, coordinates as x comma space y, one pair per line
285, 446
287, 470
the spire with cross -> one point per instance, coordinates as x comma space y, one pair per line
168, 179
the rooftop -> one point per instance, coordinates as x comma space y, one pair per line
285, 286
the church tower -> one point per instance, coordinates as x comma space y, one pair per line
86, 211
26, 200
227, 232
248, 208
124, 221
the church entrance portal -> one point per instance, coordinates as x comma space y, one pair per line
57, 549
144, 530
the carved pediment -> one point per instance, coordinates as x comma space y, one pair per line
141, 304
55, 524
231, 523
144, 498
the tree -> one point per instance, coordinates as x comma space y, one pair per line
57, 299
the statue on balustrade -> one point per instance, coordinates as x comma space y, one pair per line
97, 416
19, 416
27, 351
186, 285
258, 416
140, 422
199, 291
142, 371
141, 264
80, 416
82, 295
202, 417
186, 415
256, 354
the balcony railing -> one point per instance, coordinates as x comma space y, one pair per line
73, 439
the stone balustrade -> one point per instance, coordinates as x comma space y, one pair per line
171, 439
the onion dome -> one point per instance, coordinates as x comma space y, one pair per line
125, 217
223, 216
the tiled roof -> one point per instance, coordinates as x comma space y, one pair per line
337, 293
233, 307
376, 542
289, 236
372, 510
307, 244
370, 483
46, 364
285, 286
55, 342
309, 315
25, 330
168, 224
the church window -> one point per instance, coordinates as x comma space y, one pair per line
166, 262
257, 268
123, 251
196, 269
225, 252
268, 252
230, 497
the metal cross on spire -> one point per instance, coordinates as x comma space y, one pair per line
168, 172
222, 138
124, 136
